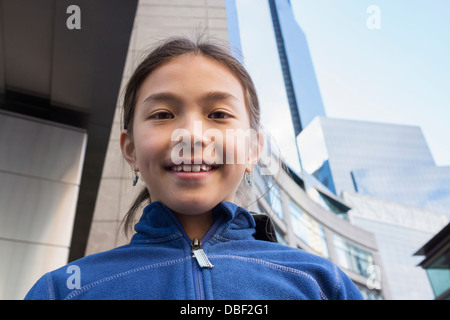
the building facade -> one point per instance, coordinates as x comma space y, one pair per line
399, 231
331, 149
426, 187
387, 175
389, 161
302, 88
58, 91
312, 219
40, 173
338, 155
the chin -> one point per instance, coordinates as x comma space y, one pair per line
192, 206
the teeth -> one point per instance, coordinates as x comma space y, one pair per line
191, 168
206, 168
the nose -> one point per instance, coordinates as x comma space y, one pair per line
188, 138
197, 140
193, 127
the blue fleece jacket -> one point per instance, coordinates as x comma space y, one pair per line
159, 264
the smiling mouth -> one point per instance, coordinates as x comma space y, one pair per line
192, 168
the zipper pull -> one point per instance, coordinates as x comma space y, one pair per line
200, 255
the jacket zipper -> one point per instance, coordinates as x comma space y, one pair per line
202, 262
201, 259
200, 255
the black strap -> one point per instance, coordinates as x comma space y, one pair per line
264, 228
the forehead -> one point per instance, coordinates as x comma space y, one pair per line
192, 73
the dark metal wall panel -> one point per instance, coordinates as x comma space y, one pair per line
27, 29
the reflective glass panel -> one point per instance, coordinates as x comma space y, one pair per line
308, 230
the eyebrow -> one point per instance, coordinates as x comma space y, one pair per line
217, 96
211, 96
162, 97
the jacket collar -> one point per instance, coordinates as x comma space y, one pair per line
158, 224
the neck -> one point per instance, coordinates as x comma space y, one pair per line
195, 226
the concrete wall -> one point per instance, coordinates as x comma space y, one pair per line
40, 170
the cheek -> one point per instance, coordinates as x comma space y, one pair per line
236, 155
149, 150
237, 146
230, 147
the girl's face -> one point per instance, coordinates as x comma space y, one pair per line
185, 111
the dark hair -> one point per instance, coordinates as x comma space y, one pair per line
164, 52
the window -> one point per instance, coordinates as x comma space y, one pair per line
273, 197
353, 258
439, 274
275, 201
308, 230
280, 237
369, 294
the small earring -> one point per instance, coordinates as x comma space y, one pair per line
136, 178
248, 176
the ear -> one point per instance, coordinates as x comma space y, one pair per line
127, 147
256, 148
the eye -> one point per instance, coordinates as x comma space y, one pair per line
219, 115
163, 115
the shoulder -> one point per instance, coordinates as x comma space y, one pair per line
333, 281
57, 284
319, 272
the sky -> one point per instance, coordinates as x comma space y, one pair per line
395, 69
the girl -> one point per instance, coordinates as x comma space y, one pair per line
192, 241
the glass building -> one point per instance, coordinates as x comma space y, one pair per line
331, 149
389, 161
426, 187
294, 97
386, 173
399, 231
306, 214
302, 89
332, 152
